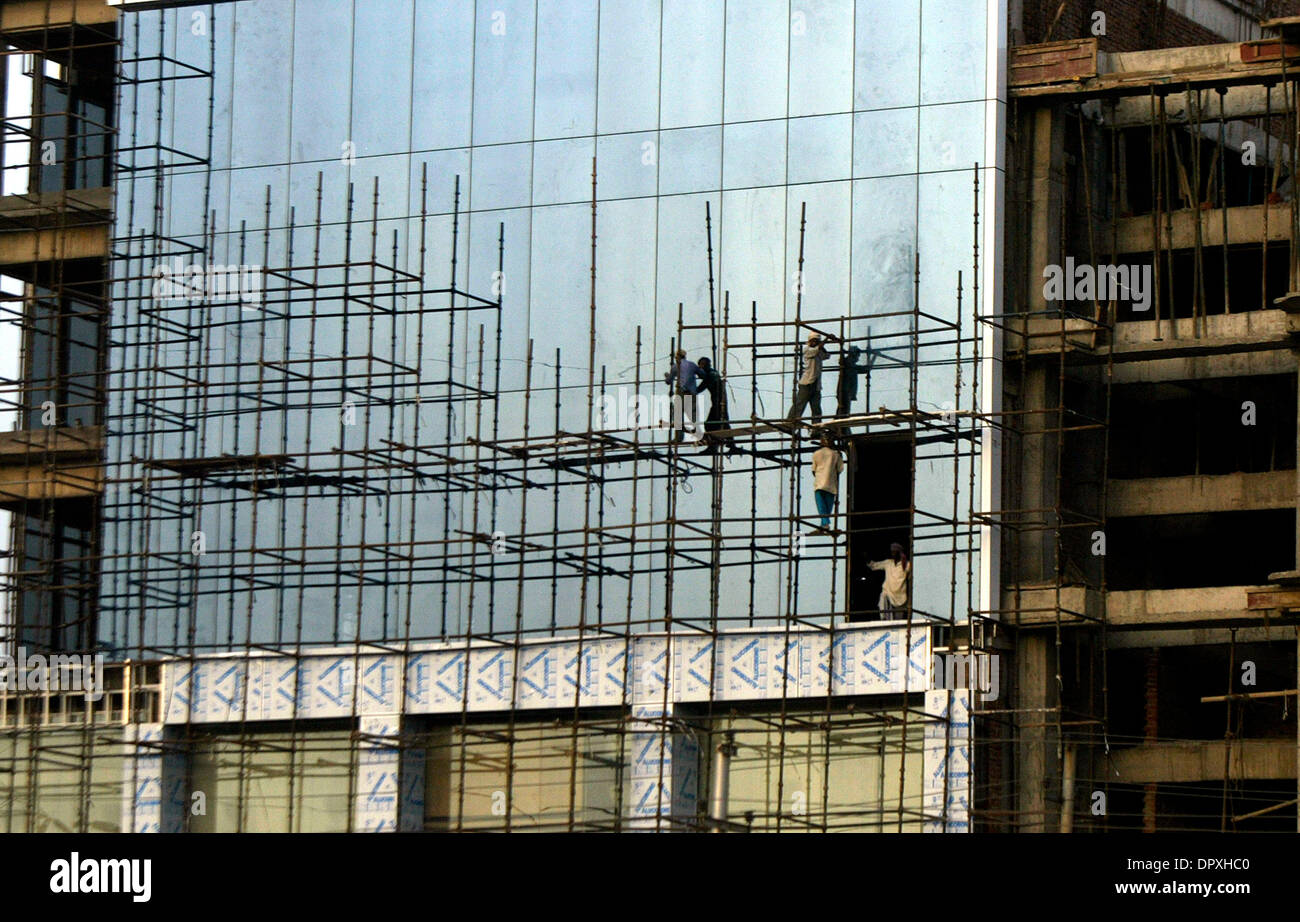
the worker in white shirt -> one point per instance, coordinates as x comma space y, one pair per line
826, 466
898, 571
808, 389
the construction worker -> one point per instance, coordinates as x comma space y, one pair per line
683, 378
846, 388
808, 389
826, 466
898, 572
717, 388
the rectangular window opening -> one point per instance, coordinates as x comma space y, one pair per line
879, 505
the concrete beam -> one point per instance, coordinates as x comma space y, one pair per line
136, 5
1038, 605
1238, 102
43, 209
1143, 340
1171, 70
1182, 762
31, 246
66, 441
55, 463
1201, 493
1197, 637
1048, 335
1200, 367
1145, 608
1140, 607
1246, 224
1146, 340
31, 483
24, 15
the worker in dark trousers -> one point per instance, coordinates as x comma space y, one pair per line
846, 388
808, 389
717, 419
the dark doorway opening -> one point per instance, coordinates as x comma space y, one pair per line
880, 502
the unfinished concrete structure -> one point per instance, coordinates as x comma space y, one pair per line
1151, 548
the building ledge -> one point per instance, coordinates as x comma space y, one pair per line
1048, 334
26, 245
40, 465
1148, 340
54, 209
1201, 493
1170, 762
1064, 68
1178, 230
1137, 609
61, 441
1246, 331
29, 15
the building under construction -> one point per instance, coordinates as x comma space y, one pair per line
349, 488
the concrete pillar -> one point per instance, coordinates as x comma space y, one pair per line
389, 793
663, 788
946, 760
1151, 732
1037, 475
1046, 185
1036, 755
153, 780
663, 771
1297, 476
1067, 789
720, 782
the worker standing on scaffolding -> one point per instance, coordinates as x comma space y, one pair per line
827, 463
846, 388
717, 388
898, 573
808, 389
683, 379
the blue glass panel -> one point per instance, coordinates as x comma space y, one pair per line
691, 76
758, 36
821, 57
690, 160
566, 69
629, 66
753, 154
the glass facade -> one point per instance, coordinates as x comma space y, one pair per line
63, 781
872, 115
849, 774
855, 773
58, 105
